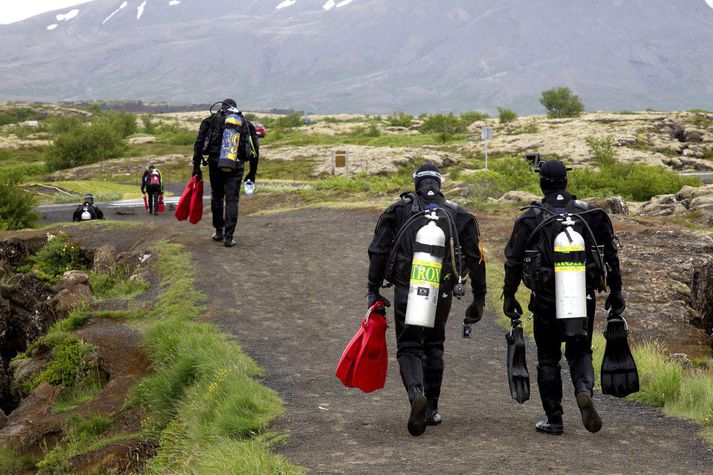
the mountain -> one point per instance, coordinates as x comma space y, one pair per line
370, 56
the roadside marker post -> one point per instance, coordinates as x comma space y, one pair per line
486, 134
340, 159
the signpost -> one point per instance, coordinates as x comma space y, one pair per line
486, 133
340, 159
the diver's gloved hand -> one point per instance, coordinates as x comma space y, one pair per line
615, 302
197, 171
474, 312
512, 308
373, 297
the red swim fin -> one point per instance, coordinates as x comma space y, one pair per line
365, 360
196, 208
161, 204
184, 204
146, 203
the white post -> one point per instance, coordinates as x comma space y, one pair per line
486, 154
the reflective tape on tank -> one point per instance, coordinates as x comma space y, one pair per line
425, 273
569, 248
569, 266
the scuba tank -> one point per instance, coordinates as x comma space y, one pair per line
429, 250
86, 215
570, 280
231, 142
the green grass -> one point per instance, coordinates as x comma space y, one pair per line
297, 138
115, 285
98, 188
299, 169
15, 464
204, 397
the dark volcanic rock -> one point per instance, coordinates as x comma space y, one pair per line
702, 294
13, 251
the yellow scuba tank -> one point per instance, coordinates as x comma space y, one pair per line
429, 250
230, 145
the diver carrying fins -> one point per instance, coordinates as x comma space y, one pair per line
619, 375
518, 376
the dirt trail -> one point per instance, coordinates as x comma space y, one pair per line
292, 293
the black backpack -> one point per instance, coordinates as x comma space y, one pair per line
538, 263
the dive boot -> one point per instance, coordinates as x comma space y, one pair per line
619, 375
229, 242
433, 418
591, 420
217, 235
553, 426
417, 419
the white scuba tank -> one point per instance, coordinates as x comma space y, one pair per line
86, 214
570, 273
425, 275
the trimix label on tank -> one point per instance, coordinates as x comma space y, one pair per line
425, 273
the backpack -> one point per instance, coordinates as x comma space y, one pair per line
237, 144
155, 177
539, 263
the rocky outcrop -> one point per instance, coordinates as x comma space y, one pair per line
702, 295
519, 197
612, 204
689, 199
72, 290
14, 250
105, 258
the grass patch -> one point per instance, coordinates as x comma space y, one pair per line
115, 285
299, 169
55, 258
203, 397
102, 190
15, 464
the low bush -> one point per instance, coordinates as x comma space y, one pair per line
400, 119
602, 149
503, 175
85, 145
469, 117
123, 123
442, 123
176, 135
15, 115
56, 257
372, 130
561, 102
505, 115
288, 121
15, 203
530, 127
64, 123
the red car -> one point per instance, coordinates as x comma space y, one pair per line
259, 129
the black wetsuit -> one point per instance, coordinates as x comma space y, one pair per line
420, 349
548, 334
93, 211
225, 186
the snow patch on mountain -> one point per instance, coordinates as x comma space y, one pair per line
344, 3
710, 3
329, 5
123, 5
173, 3
52, 26
140, 10
68, 16
285, 4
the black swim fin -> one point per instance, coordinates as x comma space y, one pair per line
619, 374
518, 376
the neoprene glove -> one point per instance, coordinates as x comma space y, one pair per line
375, 296
474, 312
197, 172
512, 308
615, 302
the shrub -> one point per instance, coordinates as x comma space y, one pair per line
400, 119
56, 257
176, 135
63, 124
15, 204
123, 123
149, 124
19, 114
602, 149
473, 116
441, 123
289, 121
561, 102
505, 115
504, 174
530, 127
371, 131
85, 145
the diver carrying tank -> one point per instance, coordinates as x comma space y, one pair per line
570, 280
230, 146
429, 250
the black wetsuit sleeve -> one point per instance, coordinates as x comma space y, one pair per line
380, 247
77, 216
98, 213
604, 234
474, 260
144, 179
200, 138
514, 255
256, 158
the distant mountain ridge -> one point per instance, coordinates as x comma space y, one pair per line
369, 56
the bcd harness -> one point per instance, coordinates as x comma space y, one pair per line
419, 211
536, 272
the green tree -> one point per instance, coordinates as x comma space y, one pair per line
400, 119
85, 145
440, 123
505, 115
15, 204
561, 102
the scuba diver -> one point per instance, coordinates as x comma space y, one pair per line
229, 140
152, 182
422, 245
564, 251
87, 210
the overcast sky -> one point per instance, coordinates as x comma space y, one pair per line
16, 10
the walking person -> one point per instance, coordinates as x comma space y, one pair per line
152, 183
229, 140
433, 273
536, 255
